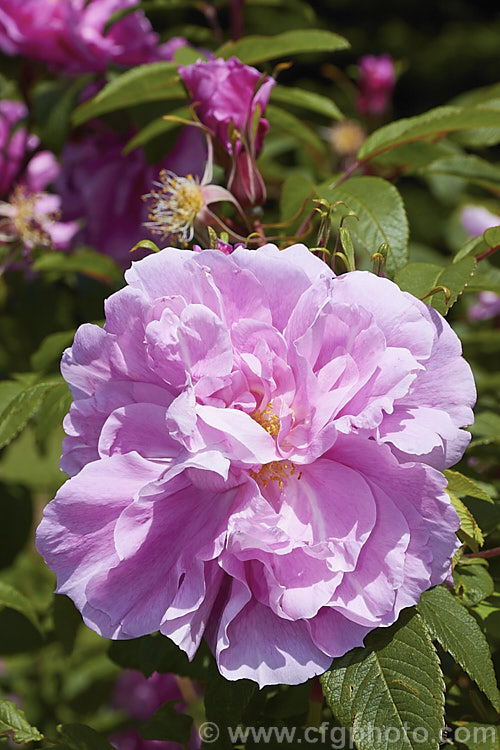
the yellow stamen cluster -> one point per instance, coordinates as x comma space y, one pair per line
174, 206
27, 223
268, 419
276, 471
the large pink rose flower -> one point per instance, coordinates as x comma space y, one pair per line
71, 35
255, 449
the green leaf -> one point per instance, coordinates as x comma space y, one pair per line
284, 121
460, 635
168, 725
16, 512
475, 736
307, 100
486, 429
21, 409
155, 128
348, 248
436, 123
9, 389
82, 737
421, 278
479, 245
257, 49
88, 262
481, 136
462, 485
148, 245
473, 583
12, 719
67, 620
486, 278
43, 475
187, 55
157, 653
467, 167
469, 532
51, 349
476, 96
381, 212
295, 194
226, 701
412, 156
144, 83
53, 108
10, 598
119, 14
394, 682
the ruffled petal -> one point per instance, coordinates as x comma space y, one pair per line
76, 535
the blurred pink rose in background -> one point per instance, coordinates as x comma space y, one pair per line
72, 35
475, 221
376, 84
140, 697
105, 188
29, 215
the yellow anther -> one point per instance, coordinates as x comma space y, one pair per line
268, 419
174, 206
28, 222
276, 471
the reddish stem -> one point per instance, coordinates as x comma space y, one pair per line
237, 19
495, 552
348, 173
487, 252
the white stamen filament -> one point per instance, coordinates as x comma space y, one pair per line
174, 206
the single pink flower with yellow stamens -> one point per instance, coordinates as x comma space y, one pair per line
178, 206
29, 216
